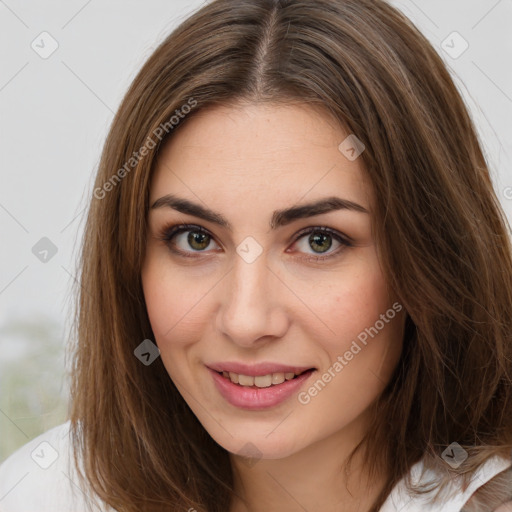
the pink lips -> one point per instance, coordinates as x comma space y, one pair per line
253, 398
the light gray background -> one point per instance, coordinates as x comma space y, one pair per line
55, 114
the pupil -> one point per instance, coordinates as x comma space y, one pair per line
319, 238
201, 239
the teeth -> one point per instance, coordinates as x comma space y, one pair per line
277, 378
263, 381
260, 381
245, 380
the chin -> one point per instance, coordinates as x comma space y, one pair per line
266, 442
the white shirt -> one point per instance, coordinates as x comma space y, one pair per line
40, 477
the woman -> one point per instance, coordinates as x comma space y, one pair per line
296, 281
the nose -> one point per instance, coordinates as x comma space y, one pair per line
251, 310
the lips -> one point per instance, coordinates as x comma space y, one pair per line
285, 381
255, 398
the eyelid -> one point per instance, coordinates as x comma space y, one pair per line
324, 229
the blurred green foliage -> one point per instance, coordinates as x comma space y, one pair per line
34, 388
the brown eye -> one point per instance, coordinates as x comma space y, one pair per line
191, 240
320, 241
186, 240
198, 240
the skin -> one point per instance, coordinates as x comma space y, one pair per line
244, 162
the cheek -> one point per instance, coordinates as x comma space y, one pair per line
174, 303
176, 314
363, 341
348, 302
360, 357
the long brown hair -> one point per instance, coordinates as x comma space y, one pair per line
441, 235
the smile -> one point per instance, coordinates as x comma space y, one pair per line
260, 381
261, 391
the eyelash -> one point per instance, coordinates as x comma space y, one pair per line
170, 231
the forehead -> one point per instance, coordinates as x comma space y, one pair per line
288, 152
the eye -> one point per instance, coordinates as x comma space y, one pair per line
188, 240
320, 240
182, 238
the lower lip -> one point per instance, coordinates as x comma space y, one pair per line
258, 398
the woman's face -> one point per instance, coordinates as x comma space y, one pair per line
265, 285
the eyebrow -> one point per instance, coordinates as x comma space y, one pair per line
279, 217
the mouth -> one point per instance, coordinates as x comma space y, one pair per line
262, 381
261, 391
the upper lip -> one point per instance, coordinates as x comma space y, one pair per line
258, 369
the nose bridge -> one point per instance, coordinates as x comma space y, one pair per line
249, 309
250, 281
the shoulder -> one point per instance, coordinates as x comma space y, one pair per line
506, 507
40, 476
453, 498
495, 494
